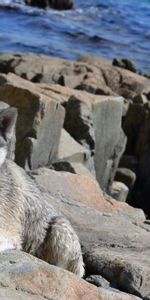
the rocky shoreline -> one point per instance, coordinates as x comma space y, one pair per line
83, 135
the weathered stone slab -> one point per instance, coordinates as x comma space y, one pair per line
104, 136
109, 230
40, 119
81, 109
109, 139
70, 150
82, 190
126, 269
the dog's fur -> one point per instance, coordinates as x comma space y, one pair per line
27, 221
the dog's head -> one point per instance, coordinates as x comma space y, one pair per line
8, 119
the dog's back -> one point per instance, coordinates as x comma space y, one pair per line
27, 220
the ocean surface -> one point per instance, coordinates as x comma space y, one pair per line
108, 28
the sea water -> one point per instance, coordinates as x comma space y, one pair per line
107, 28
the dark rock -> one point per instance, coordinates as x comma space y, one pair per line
143, 142
140, 99
148, 96
56, 4
132, 125
140, 194
127, 272
79, 123
72, 167
124, 63
63, 166
61, 4
39, 3
129, 162
126, 176
98, 280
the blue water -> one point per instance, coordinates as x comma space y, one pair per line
108, 28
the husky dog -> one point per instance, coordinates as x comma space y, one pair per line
27, 221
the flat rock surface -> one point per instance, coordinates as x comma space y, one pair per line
84, 190
93, 74
23, 276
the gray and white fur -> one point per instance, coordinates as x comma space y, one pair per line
27, 221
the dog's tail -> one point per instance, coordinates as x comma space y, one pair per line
61, 246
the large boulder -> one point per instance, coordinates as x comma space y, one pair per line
121, 81
110, 140
121, 267
40, 119
66, 82
24, 277
114, 236
82, 190
95, 122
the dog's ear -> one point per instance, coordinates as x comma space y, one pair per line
8, 118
